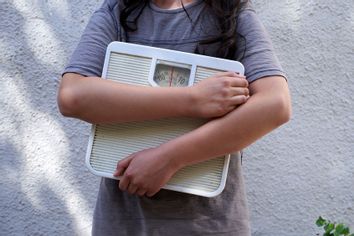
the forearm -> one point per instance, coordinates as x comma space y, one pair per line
102, 101
263, 112
145, 172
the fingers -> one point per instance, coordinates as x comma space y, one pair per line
123, 183
151, 193
237, 91
132, 188
239, 96
141, 192
238, 82
126, 184
122, 165
233, 79
238, 100
228, 73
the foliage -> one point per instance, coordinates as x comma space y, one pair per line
333, 228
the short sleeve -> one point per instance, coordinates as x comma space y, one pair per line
256, 52
102, 28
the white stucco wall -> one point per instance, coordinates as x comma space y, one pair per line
302, 170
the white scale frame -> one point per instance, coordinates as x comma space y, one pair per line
135, 64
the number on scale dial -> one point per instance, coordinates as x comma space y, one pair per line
171, 75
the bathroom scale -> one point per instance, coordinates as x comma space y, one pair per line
149, 66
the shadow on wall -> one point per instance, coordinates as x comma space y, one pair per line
45, 182
20, 215
48, 189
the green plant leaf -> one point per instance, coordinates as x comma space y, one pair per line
320, 222
328, 234
346, 231
332, 228
339, 229
329, 227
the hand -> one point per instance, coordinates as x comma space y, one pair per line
218, 95
145, 172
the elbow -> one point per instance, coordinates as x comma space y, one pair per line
283, 110
67, 98
66, 102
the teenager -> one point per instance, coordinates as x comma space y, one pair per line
242, 109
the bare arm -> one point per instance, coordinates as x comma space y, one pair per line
268, 107
96, 100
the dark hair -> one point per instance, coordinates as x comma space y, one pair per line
226, 11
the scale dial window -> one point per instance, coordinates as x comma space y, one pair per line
170, 74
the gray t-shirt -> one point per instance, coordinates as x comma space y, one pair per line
169, 212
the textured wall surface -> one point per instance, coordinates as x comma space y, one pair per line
293, 175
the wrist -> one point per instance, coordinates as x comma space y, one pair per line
192, 101
173, 155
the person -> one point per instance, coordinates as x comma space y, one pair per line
241, 110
